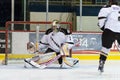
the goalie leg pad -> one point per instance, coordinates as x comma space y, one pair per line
70, 61
53, 60
65, 50
46, 57
40, 61
34, 64
43, 60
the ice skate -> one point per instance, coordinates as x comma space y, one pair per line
101, 66
61, 66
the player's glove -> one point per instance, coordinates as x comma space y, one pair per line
102, 28
31, 48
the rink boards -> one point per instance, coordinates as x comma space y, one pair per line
113, 55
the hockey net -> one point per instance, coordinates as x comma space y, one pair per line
19, 33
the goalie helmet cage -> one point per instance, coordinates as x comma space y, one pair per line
16, 39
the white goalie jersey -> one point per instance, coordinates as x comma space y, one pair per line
55, 40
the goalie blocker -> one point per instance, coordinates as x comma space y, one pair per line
43, 60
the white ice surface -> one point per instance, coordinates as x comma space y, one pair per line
87, 70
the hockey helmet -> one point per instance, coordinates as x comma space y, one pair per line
56, 23
113, 2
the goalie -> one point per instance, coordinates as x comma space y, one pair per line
58, 42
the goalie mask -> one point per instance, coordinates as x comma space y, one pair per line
56, 25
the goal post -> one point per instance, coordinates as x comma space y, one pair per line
16, 37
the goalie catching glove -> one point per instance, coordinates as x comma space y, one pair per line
31, 48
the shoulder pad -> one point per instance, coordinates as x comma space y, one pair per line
48, 31
106, 6
65, 31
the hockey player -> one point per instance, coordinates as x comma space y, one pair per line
109, 22
58, 42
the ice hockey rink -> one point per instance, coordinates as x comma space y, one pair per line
86, 70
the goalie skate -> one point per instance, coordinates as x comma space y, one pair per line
33, 64
71, 61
